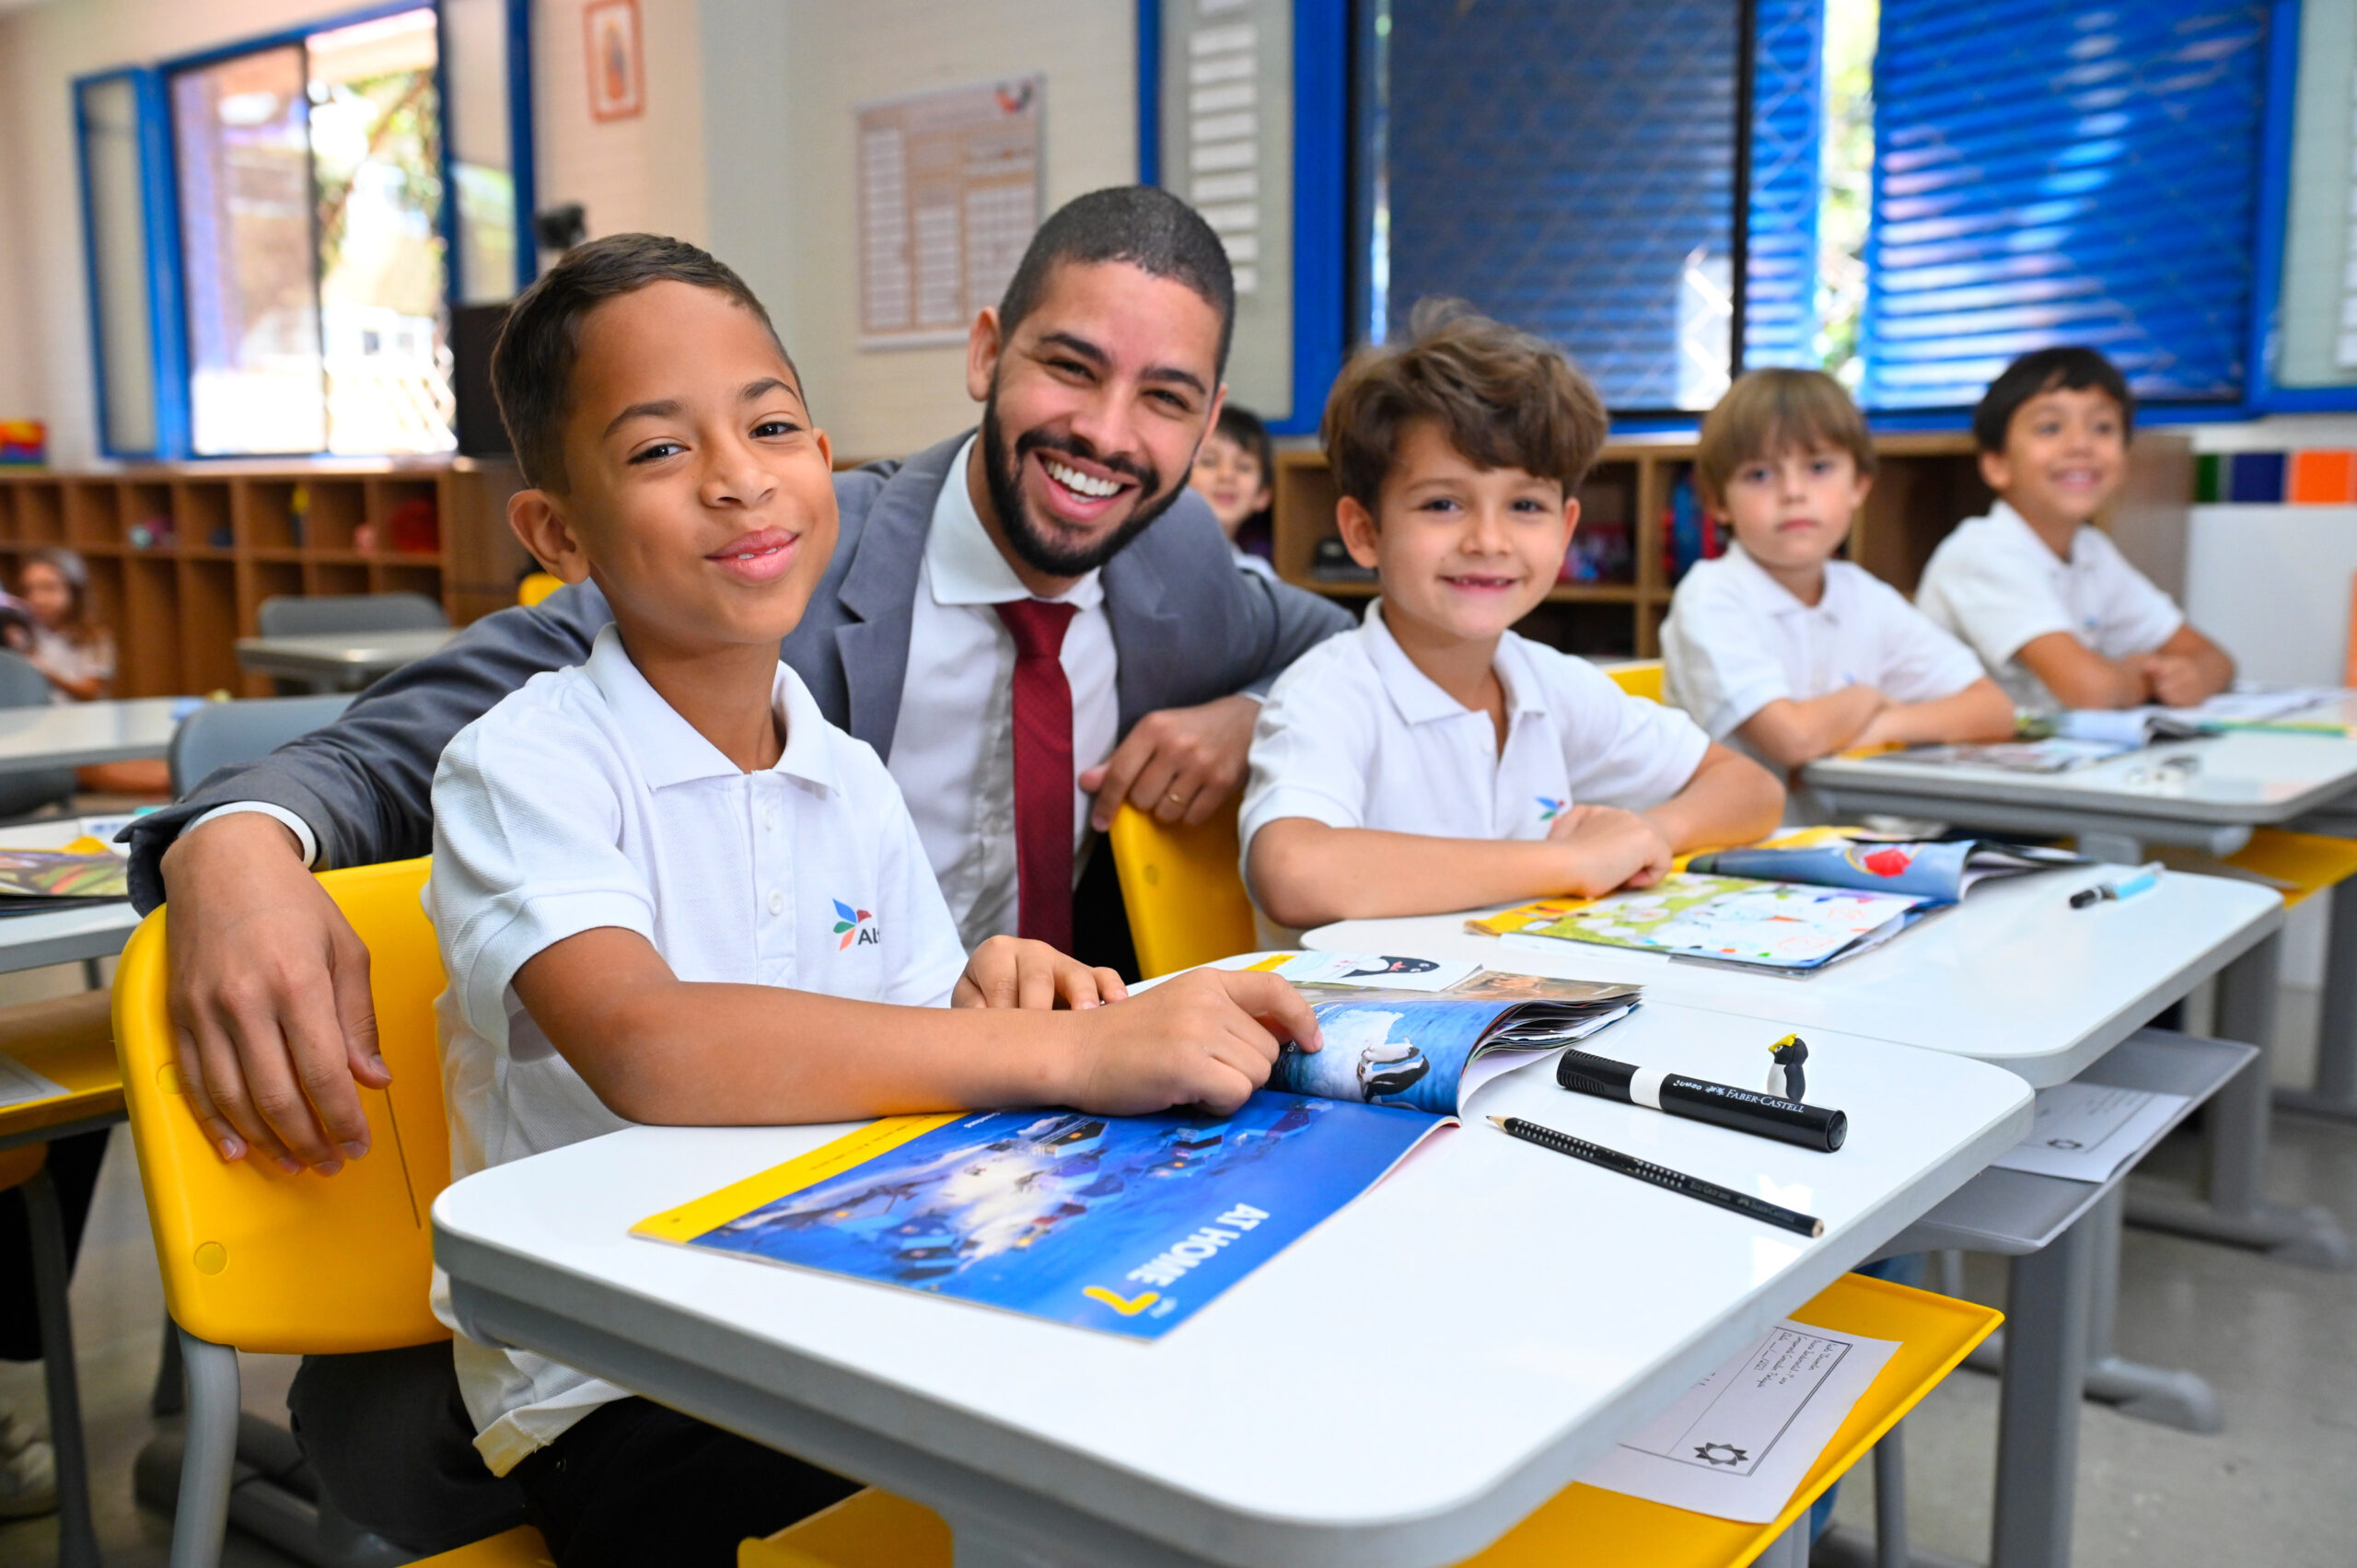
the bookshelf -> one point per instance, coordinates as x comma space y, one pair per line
182, 555
1927, 485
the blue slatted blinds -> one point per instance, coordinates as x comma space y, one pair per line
2048, 174
1787, 124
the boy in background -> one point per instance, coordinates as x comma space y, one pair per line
1236, 470
2054, 610
1776, 644
667, 890
1432, 760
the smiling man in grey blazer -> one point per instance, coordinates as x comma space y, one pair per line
1065, 517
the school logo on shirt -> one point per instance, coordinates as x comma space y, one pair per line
1549, 809
854, 926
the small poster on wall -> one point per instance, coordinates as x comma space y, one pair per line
617, 62
949, 195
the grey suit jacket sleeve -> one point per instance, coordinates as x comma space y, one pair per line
364, 783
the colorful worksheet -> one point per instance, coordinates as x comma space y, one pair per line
1781, 925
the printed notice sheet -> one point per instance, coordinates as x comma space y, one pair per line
2085, 1132
20, 1084
1738, 1444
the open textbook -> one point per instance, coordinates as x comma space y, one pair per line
1940, 870
37, 879
1787, 927
1131, 1225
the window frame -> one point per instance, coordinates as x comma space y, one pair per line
159, 179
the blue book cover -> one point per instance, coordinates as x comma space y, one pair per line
1132, 1224
1129, 1225
1942, 871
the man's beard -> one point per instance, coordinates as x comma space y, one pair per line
1035, 545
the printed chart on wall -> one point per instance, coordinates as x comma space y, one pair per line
948, 197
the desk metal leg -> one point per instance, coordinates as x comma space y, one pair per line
2236, 1211
2334, 1093
77, 1539
1890, 1499
2037, 1411
2145, 1393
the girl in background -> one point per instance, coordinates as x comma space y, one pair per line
67, 645
1235, 470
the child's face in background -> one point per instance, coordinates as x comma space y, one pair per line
1464, 552
701, 498
46, 595
2066, 453
1792, 510
1228, 475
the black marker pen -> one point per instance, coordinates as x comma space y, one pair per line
1722, 1105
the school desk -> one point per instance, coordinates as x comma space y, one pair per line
1392, 1391
76, 734
340, 661
60, 936
2014, 977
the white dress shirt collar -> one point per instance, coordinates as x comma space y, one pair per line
670, 751
1419, 698
964, 561
1773, 597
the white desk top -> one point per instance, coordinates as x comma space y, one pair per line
343, 651
2012, 976
73, 735
2244, 778
1396, 1388
59, 936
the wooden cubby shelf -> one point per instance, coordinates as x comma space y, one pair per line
182, 556
1926, 484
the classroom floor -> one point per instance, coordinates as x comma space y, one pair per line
2274, 1340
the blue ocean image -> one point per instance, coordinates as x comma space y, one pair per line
1124, 1224
1403, 1052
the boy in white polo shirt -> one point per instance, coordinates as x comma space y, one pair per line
2047, 600
1432, 760
667, 890
1776, 646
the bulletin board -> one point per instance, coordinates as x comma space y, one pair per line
949, 195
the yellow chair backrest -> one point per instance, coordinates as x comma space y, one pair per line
535, 588
304, 1264
1642, 679
1184, 888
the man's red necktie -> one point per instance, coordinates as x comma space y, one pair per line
1043, 771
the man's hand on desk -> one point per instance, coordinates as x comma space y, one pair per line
1179, 762
269, 998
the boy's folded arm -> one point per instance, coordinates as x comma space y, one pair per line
1304, 872
1980, 713
2213, 666
2081, 678
1729, 800
660, 1049
1792, 731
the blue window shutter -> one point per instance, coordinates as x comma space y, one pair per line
1787, 128
2053, 174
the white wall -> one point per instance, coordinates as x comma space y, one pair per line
780, 84
646, 172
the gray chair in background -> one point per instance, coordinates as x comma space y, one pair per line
23, 686
219, 733
303, 615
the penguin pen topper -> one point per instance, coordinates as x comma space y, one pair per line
1785, 1079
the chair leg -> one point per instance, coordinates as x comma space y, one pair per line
170, 1394
210, 1459
77, 1538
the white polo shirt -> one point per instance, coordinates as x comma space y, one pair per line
1737, 639
1995, 584
585, 800
1356, 736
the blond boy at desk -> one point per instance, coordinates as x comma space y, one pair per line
2042, 595
1776, 644
1432, 760
667, 890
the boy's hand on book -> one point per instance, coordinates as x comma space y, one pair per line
1204, 1037
2174, 681
1611, 849
1008, 972
269, 999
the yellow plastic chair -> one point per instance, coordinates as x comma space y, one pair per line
1184, 889
1581, 1524
240, 1246
1639, 678
70, 1041
535, 588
